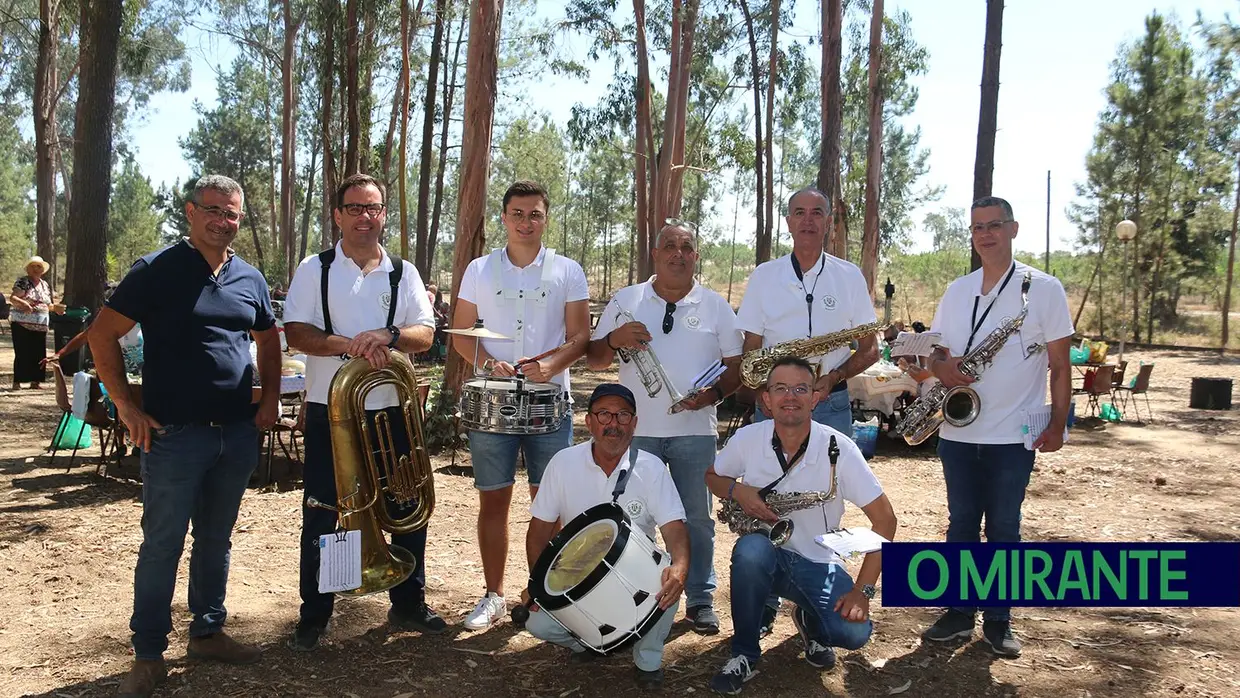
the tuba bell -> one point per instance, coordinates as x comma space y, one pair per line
368, 470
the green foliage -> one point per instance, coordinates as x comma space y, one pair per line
134, 219
16, 208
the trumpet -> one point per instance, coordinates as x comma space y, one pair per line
653, 377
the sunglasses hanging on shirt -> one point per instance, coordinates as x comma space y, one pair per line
667, 318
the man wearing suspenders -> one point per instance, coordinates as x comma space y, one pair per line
355, 300
540, 300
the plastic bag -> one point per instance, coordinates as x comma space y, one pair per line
1097, 352
1109, 412
73, 433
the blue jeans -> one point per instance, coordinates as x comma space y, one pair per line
985, 480
835, 411
759, 569
687, 459
647, 652
319, 481
494, 456
198, 473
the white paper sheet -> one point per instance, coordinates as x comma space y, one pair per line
915, 343
851, 541
1035, 422
340, 562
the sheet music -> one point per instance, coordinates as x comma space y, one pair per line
340, 561
708, 376
1034, 423
915, 343
851, 541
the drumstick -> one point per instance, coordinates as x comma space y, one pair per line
543, 355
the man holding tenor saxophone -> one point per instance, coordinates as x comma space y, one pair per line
1019, 318
793, 469
668, 330
354, 300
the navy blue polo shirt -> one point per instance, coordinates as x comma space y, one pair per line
196, 333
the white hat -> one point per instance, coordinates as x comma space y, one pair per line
37, 260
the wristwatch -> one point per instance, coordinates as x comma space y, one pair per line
869, 591
395, 332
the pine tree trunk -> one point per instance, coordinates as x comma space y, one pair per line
988, 116
422, 253
309, 205
449, 79
1231, 260
404, 90
328, 232
772, 72
481, 65
874, 153
288, 142
762, 247
352, 157
87, 243
832, 104
645, 176
46, 81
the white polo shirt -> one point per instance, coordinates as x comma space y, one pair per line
1017, 379
358, 303
573, 482
526, 303
748, 455
774, 305
703, 332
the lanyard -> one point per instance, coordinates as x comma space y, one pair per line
784, 463
978, 323
809, 295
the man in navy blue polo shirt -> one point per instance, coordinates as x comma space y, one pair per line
195, 423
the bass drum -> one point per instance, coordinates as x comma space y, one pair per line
598, 578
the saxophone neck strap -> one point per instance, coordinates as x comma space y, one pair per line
785, 464
976, 322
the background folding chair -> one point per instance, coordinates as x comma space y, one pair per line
1099, 386
1117, 378
1140, 386
742, 412
91, 418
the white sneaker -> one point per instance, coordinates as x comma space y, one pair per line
488, 612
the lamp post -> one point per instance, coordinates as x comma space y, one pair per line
1125, 231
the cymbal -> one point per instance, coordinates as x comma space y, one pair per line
479, 333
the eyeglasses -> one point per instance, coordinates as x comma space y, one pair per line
667, 318
780, 390
217, 213
535, 217
678, 223
357, 209
604, 417
991, 227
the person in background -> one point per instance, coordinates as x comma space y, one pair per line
30, 319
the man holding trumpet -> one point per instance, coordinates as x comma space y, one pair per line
673, 326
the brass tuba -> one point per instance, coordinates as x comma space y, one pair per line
369, 479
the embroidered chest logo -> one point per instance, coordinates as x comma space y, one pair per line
635, 508
385, 299
828, 302
693, 322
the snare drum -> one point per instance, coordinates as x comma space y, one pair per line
599, 578
512, 406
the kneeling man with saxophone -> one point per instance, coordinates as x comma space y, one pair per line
786, 480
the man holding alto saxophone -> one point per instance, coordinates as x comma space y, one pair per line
1009, 312
806, 471
669, 330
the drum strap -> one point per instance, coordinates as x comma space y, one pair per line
622, 480
518, 295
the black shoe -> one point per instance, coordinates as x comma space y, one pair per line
649, 680
422, 620
705, 622
950, 626
998, 634
817, 654
768, 621
732, 677
306, 636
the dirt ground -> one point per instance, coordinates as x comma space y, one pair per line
69, 540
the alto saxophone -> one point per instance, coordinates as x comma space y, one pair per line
783, 504
756, 365
961, 405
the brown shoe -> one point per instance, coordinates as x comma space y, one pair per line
142, 679
222, 648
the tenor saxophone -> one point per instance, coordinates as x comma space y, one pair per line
783, 504
961, 405
756, 364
